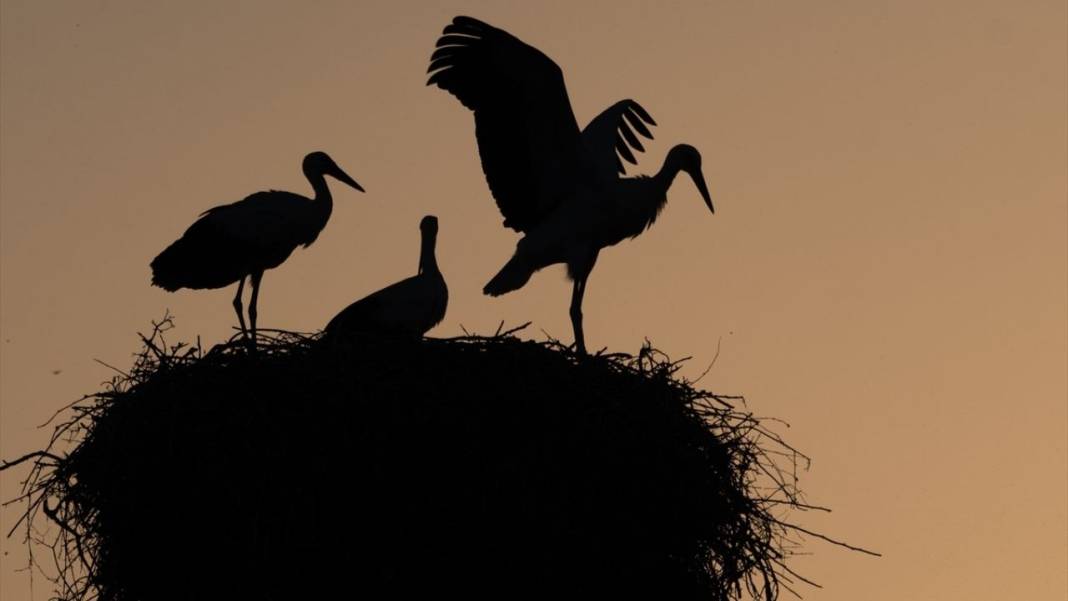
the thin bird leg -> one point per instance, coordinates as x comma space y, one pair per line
577, 292
255, 280
237, 306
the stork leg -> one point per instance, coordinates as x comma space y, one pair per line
576, 313
237, 306
580, 273
255, 280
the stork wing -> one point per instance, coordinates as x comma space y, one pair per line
528, 138
407, 306
609, 136
261, 220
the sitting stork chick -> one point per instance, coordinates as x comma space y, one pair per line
408, 308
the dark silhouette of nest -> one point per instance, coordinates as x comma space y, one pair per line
472, 467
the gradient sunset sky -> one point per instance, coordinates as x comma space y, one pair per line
887, 268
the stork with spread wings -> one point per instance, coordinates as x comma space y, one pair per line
561, 187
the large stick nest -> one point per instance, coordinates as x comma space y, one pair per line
486, 467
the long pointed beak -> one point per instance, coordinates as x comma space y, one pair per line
699, 181
344, 177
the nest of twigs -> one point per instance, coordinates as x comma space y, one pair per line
479, 467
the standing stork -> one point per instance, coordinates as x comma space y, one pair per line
559, 186
230, 243
409, 307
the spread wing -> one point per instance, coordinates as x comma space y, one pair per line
528, 138
611, 135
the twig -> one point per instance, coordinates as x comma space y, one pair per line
714, 358
28, 456
512, 331
113, 368
827, 538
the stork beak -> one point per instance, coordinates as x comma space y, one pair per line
336, 172
699, 181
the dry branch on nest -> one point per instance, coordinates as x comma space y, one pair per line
489, 466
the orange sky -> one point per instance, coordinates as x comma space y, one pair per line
886, 268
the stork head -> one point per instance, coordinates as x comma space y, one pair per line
319, 162
429, 226
429, 229
686, 158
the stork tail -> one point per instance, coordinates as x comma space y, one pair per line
168, 268
513, 276
197, 260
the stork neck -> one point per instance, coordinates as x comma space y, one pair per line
322, 203
428, 263
318, 184
666, 176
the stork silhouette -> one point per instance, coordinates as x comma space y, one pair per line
408, 308
232, 242
559, 186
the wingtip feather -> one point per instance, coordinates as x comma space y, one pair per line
644, 114
636, 123
630, 137
466, 21
625, 152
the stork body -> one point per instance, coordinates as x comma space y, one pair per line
239, 241
559, 186
408, 308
